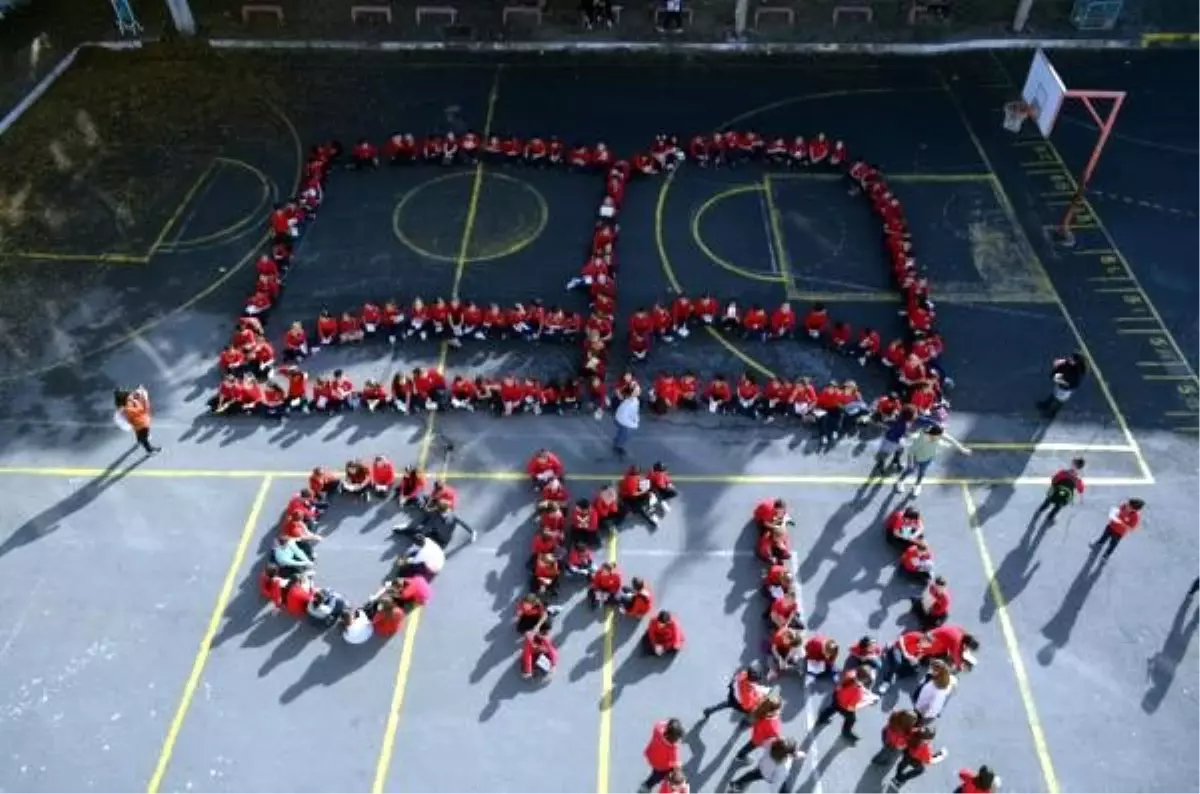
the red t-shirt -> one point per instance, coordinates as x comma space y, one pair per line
661, 754
388, 621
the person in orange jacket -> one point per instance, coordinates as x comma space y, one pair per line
1122, 520
134, 409
662, 752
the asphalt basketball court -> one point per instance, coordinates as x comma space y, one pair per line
266, 704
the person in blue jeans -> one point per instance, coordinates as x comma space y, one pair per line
921, 452
626, 418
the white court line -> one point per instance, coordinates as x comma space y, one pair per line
765, 214
810, 722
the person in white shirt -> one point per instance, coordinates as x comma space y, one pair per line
425, 558
774, 766
356, 627
326, 607
932, 694
626, 418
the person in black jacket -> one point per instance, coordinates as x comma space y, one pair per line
1067, 374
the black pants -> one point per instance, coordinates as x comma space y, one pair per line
894, 665
832, 422
848, 718
1053, 504
1112, 539
143, 438
730, 702
753, 776
908, 769
887, 754
655, 777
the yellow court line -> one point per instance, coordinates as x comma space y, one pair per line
781, 254
383, 762
705, 249
101, 259
236, 229
817, 176
1041, 748
183, 205
604, 735
521, 476
1010, 212
214, 624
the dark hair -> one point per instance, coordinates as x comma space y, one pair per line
1078, 463
120, 396
674, 731
1137, 504
985, 778
664, 616
970, 642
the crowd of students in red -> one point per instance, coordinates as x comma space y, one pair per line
859, 676
568, 534
287, 578
253, 383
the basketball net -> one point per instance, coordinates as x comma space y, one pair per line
1016, 112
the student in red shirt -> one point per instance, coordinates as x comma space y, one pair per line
1122, 520
605, 585
383, 475
896, 733
532, 612
851, 695
1065, 485
546, 575
271, 583
538, 655
545, 466
387, 618
981, 782
933, 607
636, 601
917, 756
746, 691
296, 595
663, 635
766, 725
662, 752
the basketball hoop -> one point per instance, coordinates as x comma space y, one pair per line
1015, 114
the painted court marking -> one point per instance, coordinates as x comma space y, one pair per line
214, 624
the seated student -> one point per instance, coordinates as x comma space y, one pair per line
339, 393
774, 545
777, 580
228, 399
545, 541
290, 558
663, 635
294, 528
232, 362
350, 329
731, 317
933, 607
820, 656
787, 651
424, 558
917, 561
816, 321
581, 561
296, 398
364, 155
830, 413
323, 483
357, 479
410, 592
755, 323
297, 594
605, 585
356, 626
538, 655
553, 495
411, 489
784, 611
403, 393
374, 396
250, 396
661, 485
903, 527
771, 514
718, 397
307, 505
387, 618
955, 645
383, 476
271, 583
636, 600
866, 654
545, 466
532, 613
610, 510
803, 399
326, 607
463, 394
637, 496
546, 575
274, 401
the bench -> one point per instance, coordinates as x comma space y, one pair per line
763, 12
866, 12
922, 8
449, 12
262, 8
531, 12
359, 12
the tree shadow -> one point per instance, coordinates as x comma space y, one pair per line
338, 661
1057, 630
51, 519
1162, 666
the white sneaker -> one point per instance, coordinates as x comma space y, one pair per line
916, 491
666, 506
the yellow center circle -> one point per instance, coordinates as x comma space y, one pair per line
505, 215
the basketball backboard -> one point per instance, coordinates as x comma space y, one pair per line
1045, 91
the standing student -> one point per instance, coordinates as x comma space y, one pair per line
891, 447
626, 418
932, 694
746, 691
917, 757
766, 725
425, 558
924, 447
662, 752
851, 696
1064, 486
774, 766
134, 407
980, 782
1122, 520
1066, 375
896, 733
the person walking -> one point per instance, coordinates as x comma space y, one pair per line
852, 695
922, 451
1122, 520
918, 756
1066, 376
662, 752
133, 409
774, 766
626, 418
932, 694
1064, 486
